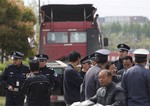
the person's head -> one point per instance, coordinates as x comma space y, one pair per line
34, 65
102, 56
74, 57
111, 67
105, 77
123, 50
17, 58
42, 58
86, 65
93, 61
127, 62
141, 56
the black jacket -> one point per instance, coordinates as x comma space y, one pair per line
110, 95
37, 89
72, 82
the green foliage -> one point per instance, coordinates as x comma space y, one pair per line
3, 65
135, 35
16, 25
2, 101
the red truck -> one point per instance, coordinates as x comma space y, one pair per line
65, 28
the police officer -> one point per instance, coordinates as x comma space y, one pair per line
13, 77
136, 81
50, 74
91, 77
36, 87
85, 65
123, 51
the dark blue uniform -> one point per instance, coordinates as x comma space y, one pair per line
51, 75
37, 88
14, 76
119, 64
136, 83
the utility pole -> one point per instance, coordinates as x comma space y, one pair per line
39, 12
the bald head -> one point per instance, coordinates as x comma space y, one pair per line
105, 77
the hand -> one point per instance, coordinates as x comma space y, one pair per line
10, 88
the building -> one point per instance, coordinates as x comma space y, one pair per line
123, 19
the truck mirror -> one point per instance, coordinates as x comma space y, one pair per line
105, 41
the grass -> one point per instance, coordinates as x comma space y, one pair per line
2, 101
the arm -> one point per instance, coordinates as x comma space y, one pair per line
4, 79
55, 80
74, 77
119, 99
25, 86
93, 99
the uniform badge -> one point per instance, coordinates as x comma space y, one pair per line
27, 75
55, 74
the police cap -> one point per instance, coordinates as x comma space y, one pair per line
103, 51
86, 59
42, 57
123, 47
17, 55
141, 53
102, 55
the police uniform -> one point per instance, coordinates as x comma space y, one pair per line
136, 81
50, 74
36, 87
84, 60
91, 77
15, 76
119, 62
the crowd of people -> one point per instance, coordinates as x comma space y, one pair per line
35, 81
124, 82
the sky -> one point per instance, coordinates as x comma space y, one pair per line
109, 7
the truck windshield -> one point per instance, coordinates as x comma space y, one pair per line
57, 37
62, 37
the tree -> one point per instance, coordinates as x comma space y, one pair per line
16, 25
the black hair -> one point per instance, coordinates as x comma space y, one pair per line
109, 64
128, 58
100, 58
34, 65
73, 56
140, 58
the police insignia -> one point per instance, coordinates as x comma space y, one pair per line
27, 75
55, 74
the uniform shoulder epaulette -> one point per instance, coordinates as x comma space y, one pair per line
51, 68
10, 66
